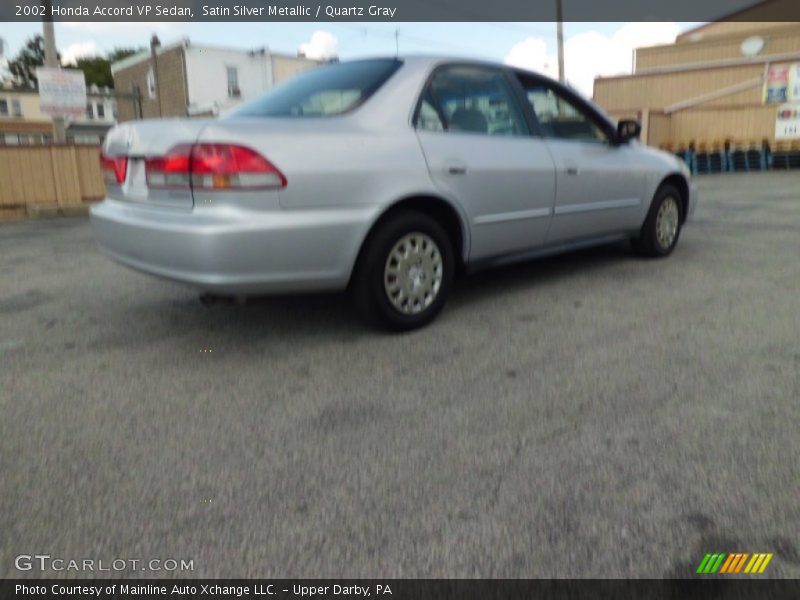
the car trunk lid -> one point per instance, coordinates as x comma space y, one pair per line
137, 141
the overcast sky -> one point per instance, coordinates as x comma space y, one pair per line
591, 49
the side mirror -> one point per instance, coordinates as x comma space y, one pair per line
627, 130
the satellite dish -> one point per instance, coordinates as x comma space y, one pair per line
753, 46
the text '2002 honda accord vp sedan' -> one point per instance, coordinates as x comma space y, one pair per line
385, 177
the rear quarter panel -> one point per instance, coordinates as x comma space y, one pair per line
337, 163
330, 162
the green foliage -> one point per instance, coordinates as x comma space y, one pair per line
117, 54
97, 69
23, 66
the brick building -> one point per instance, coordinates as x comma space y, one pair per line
184, 79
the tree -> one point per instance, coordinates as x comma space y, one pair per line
118, 54
97, 69
23, 67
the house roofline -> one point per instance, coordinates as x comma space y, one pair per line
186, 43
144, 55
726, 17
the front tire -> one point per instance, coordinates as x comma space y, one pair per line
404, 272
662, 227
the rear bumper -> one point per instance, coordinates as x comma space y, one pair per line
231, 250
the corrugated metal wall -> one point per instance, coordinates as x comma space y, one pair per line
659, 91
781, 38
703, 89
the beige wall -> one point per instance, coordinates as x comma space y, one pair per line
765, 13
748, 126
29, 103
662, 90
659, 129
31, 123
697, 91
780, 39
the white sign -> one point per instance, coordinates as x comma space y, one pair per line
787, 125
62, 92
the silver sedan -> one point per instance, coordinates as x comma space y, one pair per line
385, 177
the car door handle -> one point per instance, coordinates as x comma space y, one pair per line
457, 170
572, 171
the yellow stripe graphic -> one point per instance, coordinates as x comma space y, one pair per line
757, 563
735, 562
765, 563
749, 567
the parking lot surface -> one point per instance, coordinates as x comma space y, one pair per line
590, 415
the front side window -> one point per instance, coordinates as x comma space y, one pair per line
475, 100
560, 118
322, 92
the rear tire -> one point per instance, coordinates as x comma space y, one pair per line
662, 227
404, 272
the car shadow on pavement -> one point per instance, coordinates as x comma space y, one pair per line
533, 273
334, 313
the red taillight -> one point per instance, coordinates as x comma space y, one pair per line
171, 170
213, 167
114, 168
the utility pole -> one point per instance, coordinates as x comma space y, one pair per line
155, 43
51, 62
397, 42
560, 36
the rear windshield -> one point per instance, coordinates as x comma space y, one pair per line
324, 91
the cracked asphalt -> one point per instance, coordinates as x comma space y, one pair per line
589, 415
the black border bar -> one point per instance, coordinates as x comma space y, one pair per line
706, 588
399, 10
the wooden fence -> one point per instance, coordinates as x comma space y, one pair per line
32, 177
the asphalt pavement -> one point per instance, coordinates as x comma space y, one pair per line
589, 415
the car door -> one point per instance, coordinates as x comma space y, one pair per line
599, 185
475, 137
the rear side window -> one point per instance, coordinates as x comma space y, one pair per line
474, 100
324, 91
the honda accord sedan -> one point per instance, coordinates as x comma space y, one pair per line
386, 177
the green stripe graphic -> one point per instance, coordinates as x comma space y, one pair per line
701, 568
718, 564
711, 562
